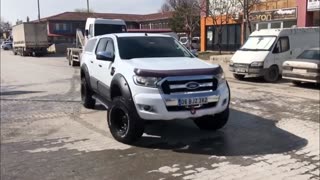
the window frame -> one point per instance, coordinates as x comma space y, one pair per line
281, 49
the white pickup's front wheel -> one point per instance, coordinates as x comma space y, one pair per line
124, 122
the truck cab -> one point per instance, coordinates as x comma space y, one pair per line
98, 26
265, 51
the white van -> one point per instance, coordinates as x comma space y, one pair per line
265, 51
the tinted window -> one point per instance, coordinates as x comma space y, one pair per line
90, 45
102, 45
310, 54
101, 29
150, 47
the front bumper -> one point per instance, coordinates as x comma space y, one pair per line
246, 69
160, 105
304, 77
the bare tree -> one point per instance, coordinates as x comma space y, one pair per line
248, 7
220, 12
165, 8
186, 16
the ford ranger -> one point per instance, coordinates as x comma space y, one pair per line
141, 77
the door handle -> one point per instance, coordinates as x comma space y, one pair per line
91, 61
100, 65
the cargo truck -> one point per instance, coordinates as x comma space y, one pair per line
94, 27
30, 39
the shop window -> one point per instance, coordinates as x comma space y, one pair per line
289, 24
64, 27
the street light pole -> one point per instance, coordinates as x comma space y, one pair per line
38, 10
88, 7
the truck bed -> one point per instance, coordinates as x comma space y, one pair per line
30, 35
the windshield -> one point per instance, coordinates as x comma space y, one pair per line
101, 29
310, 54
256, 43
150, 47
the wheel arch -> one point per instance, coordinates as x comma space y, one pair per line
120, 87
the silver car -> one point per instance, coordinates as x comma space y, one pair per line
6, 45
305, 68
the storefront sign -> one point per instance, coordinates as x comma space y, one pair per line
278, 14
313, 5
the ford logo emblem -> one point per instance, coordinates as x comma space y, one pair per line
192, 85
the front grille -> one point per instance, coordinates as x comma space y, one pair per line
183, 108
170, 86
237, 65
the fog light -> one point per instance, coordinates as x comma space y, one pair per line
146, 108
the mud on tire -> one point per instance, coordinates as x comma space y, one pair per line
86, 95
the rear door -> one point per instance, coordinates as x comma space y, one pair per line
282, 51
104, 68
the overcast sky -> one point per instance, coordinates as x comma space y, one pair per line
11, 10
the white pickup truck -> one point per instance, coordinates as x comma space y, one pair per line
143, 77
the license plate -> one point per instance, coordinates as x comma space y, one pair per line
299, 70
240, 70
193, 101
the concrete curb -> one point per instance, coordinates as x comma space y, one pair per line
223, 58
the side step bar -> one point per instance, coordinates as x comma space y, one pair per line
101, 100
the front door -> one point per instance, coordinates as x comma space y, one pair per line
104, 68
282, 51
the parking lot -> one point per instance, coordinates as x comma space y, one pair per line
273, 132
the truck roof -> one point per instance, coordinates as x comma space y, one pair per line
276, 32
106, 21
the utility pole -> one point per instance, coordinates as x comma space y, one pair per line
245, 22
38, 10
88, 7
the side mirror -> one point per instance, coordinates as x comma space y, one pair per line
105, 56
86, 33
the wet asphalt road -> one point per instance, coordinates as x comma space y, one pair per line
273, 132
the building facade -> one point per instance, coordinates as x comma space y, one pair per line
62, 27
265, 15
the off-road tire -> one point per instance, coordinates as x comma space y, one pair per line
239, 76
213, 123
272, 74
122, 108
86, 95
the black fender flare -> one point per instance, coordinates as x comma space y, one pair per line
121, 82
85, 72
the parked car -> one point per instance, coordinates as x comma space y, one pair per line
305, 68
6, 45
265, 51
143, 77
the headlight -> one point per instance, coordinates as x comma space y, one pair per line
146, 81
256, 64
221, 78
230, 63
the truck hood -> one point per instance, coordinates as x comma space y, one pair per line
303, 63
179, 63
164, 67
247, 57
